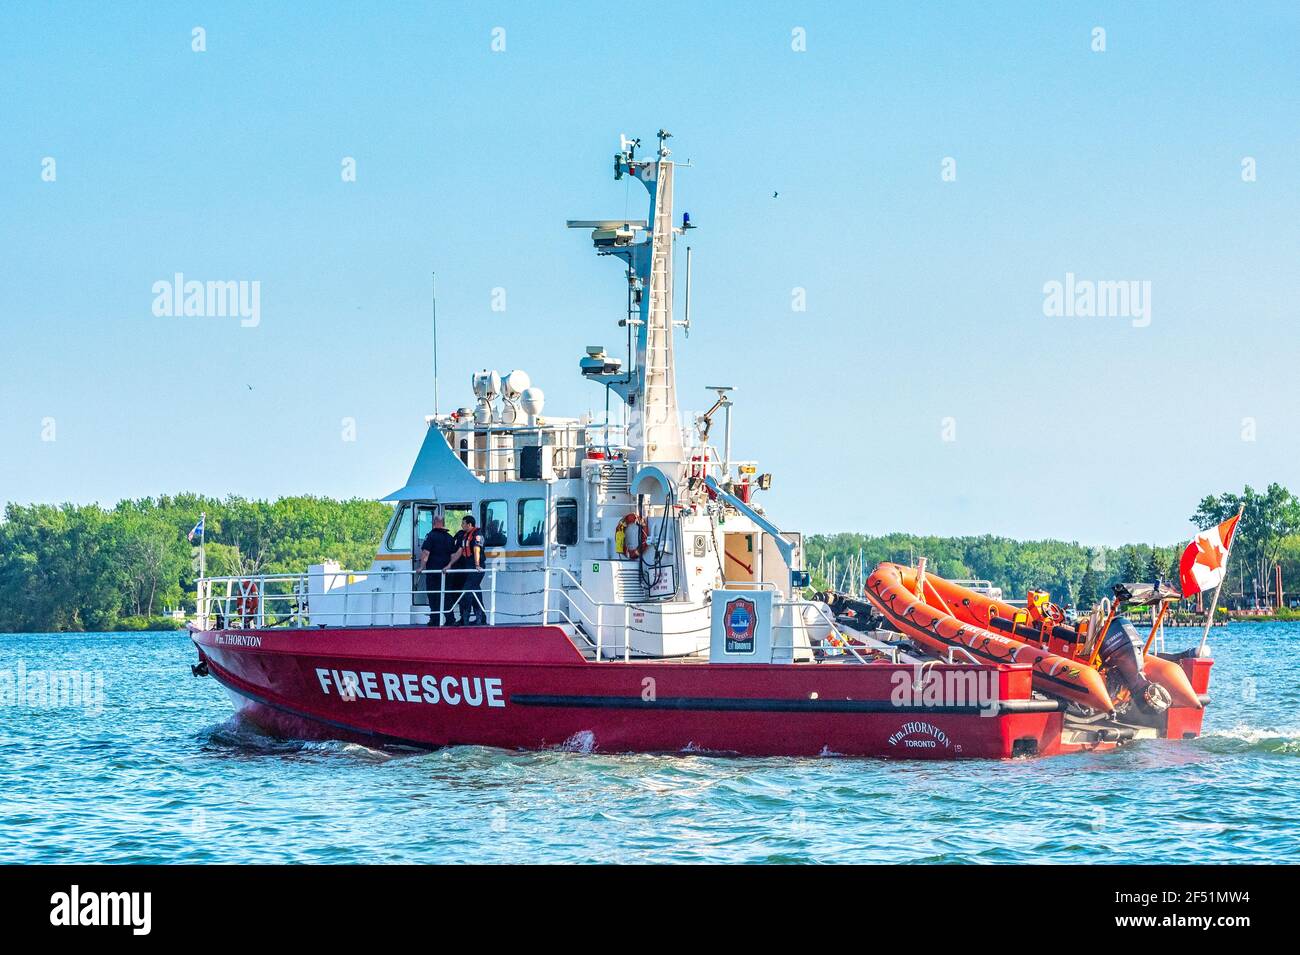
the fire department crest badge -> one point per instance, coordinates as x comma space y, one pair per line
741, 621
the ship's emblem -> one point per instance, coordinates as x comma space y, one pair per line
741, 621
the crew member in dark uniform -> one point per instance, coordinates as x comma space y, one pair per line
468, 573
437, 554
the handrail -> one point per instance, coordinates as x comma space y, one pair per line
575, 441
964, 652
260, 601
824, 612
250, 598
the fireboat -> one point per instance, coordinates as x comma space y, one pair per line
637, 597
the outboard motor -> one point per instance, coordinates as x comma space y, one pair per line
1121, 653
852, 611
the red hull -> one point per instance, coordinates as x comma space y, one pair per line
529, 688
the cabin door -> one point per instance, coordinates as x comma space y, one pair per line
420, 528
740, 558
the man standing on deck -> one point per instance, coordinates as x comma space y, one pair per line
437, 554
468, 575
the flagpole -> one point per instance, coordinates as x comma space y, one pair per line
1214, 601
203, 535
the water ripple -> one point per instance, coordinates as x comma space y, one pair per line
164, 773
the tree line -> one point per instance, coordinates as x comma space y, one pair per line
1267, 537
86, 567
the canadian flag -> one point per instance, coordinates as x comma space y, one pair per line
1205, 560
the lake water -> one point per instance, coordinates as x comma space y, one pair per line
157, 770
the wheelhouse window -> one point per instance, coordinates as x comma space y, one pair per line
566, 521
492, 519
453, 514
532, 521
423, 522
399, 533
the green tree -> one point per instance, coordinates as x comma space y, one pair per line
1171, 574
1154, 572
56, 569
1267, 519
149, 558
87, 568
1087, 589
1131, 567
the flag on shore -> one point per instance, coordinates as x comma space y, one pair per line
1205, 560
198, 529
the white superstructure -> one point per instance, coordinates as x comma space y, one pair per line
563, 501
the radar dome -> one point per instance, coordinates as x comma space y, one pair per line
533, 401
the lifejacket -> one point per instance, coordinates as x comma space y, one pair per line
469, 542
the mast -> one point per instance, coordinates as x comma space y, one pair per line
649, 385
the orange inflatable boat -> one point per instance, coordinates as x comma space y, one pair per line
941, 615
933, 623
980, 610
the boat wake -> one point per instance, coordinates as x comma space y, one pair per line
1249, 739
239, 735
583, 741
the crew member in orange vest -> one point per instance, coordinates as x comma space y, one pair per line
468, 572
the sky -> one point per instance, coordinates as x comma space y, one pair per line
916, 175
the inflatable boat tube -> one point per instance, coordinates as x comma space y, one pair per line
891, 590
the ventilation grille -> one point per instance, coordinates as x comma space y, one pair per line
627, 582
613, 478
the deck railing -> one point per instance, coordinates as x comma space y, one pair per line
330, 598
258, 601
492, 452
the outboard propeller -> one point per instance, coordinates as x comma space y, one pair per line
1157, 697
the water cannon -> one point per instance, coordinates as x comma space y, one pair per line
704, 423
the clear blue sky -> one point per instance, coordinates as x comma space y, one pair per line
925, 298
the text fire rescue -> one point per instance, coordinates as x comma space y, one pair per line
410, 688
